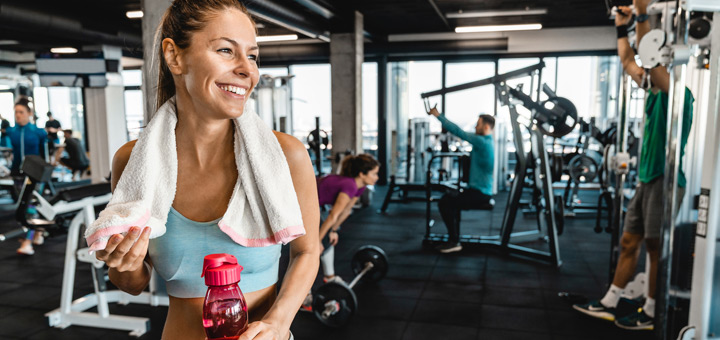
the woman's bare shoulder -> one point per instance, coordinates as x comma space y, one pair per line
293, 149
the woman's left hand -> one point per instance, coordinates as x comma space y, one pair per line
260, 330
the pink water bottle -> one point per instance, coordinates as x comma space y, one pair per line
224, 310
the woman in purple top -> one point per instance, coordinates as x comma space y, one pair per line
342, 192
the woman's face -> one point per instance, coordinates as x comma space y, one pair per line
22, 115
219, 69
371, 177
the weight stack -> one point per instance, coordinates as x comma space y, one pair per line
683, 255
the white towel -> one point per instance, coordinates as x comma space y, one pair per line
263, 209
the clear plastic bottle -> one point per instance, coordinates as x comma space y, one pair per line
224, 309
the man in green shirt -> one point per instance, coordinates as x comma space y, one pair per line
644, 214
479, 190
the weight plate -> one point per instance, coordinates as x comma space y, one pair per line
583, 169
372, 254
317, 137
556, 167
560, 118
334, 304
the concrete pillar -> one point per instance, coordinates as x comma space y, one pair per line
106, 126
346, 58
153, 11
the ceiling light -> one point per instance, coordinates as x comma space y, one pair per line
134, 14
9, 42
286, 37
497, 28
499, 13
63, 50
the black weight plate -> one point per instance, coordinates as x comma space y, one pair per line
334, 293
583, 169
556, 167
372, 254
563, 118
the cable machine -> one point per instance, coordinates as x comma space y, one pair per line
554, 117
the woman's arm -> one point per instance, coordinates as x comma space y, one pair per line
125, 259
344, 214
304, 251
342, 201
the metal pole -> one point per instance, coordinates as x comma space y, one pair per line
676, 104
623, 110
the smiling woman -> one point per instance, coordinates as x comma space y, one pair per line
207, 54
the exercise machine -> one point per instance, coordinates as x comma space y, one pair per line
78, 205
554, 117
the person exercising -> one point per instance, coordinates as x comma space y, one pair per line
25, 137
76, 160
643, 219
479, 190
342, 192
52, 126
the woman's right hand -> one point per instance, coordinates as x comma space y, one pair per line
333, 237
126, 253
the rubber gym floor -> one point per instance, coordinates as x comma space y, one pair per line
474, 294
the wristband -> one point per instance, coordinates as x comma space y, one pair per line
622, 31
642, 18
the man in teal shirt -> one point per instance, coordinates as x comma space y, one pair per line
643, 219
479, 190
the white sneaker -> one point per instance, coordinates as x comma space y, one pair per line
38, 239
26, 249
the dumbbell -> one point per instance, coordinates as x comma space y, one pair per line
335, 303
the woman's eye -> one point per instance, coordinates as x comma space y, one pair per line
253, 57
225, 50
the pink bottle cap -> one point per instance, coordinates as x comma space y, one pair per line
221, 269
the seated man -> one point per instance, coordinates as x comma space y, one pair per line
479, 191
76, 160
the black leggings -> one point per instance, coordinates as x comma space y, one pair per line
452, 203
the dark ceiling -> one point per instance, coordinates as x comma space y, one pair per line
34, 23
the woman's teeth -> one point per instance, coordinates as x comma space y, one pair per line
234, 89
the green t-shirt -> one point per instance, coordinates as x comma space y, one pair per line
654, 143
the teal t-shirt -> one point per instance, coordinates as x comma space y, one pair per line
482, 157
654, 143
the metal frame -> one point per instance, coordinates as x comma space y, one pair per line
704, 312
547, 225
73, 312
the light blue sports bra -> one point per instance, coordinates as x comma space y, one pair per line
178, 257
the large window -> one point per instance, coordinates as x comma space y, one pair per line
463, 107
134, 108
310, 98
370, 107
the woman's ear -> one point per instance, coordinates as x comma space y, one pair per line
171, 53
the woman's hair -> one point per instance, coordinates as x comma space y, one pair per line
178, 23
354, 165
24, 102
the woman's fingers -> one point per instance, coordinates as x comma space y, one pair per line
112, 243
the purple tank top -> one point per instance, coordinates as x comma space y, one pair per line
331, 185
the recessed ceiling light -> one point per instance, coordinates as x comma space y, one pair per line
63, 50
286, 37
134, 14
498, 13
497, 28
9, 42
